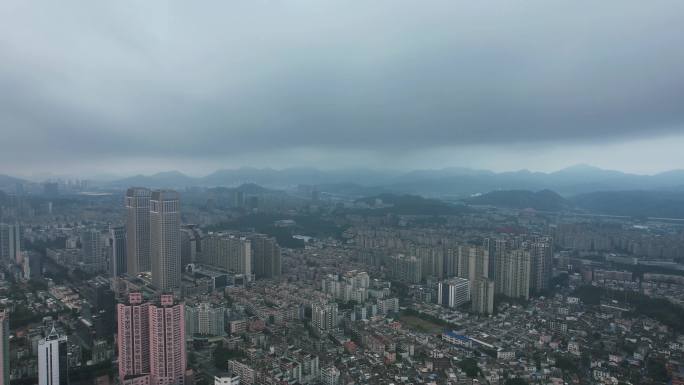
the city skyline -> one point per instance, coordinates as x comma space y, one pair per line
306, 192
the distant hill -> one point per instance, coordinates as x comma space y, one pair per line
410, 205
247, 188
632, 203
7, 181
167, 179
663, 204
545, 200
442, 183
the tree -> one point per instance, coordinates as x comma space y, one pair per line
469, 366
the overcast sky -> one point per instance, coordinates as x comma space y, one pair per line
142, 86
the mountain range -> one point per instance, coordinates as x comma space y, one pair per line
632, 203
448, 182
443, 183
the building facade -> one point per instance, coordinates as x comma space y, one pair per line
266, 256
165, 239
138, 230
53, 365
453, 292
483, 296
151, 339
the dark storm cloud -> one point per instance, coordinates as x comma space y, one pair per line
82, 80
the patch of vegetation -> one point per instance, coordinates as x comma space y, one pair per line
420, 324
222, 355
469, 366
566, 364
309, 225
589, 295
410, 205
430, 318
515, 381
659, 309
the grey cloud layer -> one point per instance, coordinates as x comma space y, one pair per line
81, 79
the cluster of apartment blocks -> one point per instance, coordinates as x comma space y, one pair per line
22, 264
513, 266
154, 240
371, 298
294, 366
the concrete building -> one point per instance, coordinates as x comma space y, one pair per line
324, 316
453, 292
138, 230
541, 260
330, 376
10, 242
167, 342
246, 374
133, 337
94, 250
226, 380
4, 352
117, 246
266, 257
405, 268
191, 244
483, 296
151, 339
53, 365
228, 252
513, 278
165, 239
205, 319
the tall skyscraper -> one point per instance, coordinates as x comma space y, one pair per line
138, 230
10, 242
133, 337
117, 245
191, 244
151, 341
53, 365
165, 245
514, 274
94, 249
405, 268
478, 263
483, 296
5, 353
541, 254
167, 342
266, 258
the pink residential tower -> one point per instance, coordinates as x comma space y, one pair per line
151, 341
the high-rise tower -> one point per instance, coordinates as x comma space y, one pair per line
138, 230
4, 352
117, 245
266, 256
151, 341
53, 362
165, 245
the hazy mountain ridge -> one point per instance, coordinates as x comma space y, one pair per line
451, 182
545, 200
633, 203
9, 181
636, 203
410, 205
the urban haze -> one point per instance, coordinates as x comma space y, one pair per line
298, 192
